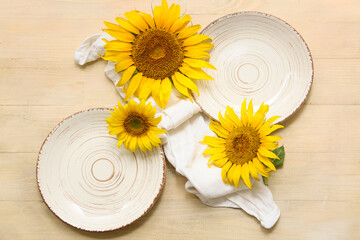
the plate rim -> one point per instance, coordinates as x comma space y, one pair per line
162, 155
292, 28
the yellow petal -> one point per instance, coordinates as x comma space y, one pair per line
179, 24
266, 153
200, 47
225, 123
218, 162
181, 88
231, 174
273, 128
270, 139
243, 113
189, 31
186, 82
250, 112
198, 63
121, 36
253, 171
218, 129
260, 167
123, 64
158, 16
134, 84
237, 175
230, 114
146, 142
126, 76
195, 40
117, 45
165, 91
141, 144
155, 92
224, 171
266, 161
196, 73
136, 20
127, 25
115, 56
153, 138
214, 141
269, 145
148, 19
212, 151
245, 175
196, 54
174, 13
146, 88
114, 26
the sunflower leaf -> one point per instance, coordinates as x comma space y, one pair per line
266, 181
280, 152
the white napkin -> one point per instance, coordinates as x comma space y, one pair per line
186, 126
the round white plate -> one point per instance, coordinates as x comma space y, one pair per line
259, 57
91, 184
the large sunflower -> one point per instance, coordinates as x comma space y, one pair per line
157, 52
242, 146
135, 126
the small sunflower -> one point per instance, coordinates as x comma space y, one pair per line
155, 53
135, 126
242, 146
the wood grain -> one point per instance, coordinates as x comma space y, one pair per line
317, 190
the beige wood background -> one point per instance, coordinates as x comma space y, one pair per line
318, 189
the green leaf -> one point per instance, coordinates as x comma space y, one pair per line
266, 181
280, 152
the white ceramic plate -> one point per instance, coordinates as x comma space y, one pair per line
259, 57
91, 184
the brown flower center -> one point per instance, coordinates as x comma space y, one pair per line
157, 53
136, 125
242, 145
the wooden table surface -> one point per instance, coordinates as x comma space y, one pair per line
317, 190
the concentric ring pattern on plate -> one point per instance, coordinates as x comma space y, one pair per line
259, 57
91, 184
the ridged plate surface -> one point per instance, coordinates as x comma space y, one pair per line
91, 184
259, 57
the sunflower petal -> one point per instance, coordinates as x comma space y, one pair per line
266, 161
117, 45
224, 171
218, 129
250, 112
114, 26
244, 119
196, 54
127, 25
155, 90
189, 31
179, 24
195, 39
136, 20
146, 88
126, 76
134, 84
198, 63
237, 175
196, 73
233, 117
245, 175
200, 47
174, 13
124, 64
146, 142
225, 123
270, 139
260, 167
121, 36
253, 171
165, 91
186, 82
148, 19
181, 88
273, 128
116, 56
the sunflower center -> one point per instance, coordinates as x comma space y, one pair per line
242, 145
157, 53
136, 125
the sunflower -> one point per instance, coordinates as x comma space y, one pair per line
242, 146
135, 126
155, 53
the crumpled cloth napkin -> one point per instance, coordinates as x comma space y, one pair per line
186, 126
